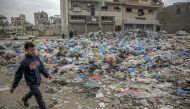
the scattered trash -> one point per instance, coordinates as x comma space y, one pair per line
131, 69
4, 88
182, 33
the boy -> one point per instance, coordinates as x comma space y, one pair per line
31, 67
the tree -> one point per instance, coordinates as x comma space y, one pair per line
52, 19
3, 24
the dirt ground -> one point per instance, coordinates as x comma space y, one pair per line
70, 99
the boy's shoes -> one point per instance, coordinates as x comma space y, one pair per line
25, 103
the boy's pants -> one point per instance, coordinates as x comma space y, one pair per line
34, 90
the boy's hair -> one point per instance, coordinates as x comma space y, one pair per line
28, 45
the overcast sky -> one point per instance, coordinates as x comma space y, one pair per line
11, 8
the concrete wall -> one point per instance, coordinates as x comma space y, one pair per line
173, 22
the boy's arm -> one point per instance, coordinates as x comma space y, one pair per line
18, 74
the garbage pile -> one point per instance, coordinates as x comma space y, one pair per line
182, 33
122, 70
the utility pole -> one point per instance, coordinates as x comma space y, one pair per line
100, 20
101, 4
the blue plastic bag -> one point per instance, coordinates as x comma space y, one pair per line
130, 70
182, 92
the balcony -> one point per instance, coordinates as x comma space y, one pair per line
105, 19
140, 3
132, 1
76, 9
147, 22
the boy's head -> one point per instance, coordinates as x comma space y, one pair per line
29, 48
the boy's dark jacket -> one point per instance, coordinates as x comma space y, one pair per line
31, 67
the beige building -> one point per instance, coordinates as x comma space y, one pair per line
18, 21
16, 29
18, 24
47, 26
41, 18
85, 16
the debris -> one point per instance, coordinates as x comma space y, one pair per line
182, 33
121, 69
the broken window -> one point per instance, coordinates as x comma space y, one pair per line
178, 11
105, 8
117, 28
73, 17
129, 10
116, 0
117, 8
92, 8
151, 11
107, 18
75, 4
141, 12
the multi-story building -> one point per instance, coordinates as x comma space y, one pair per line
175, 17
41, 21
18, 21
41, 18
47, 26
3, 24
56, 25
16, 29
83, 16
141, 14
18, 24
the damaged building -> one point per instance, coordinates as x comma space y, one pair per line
175, 17
83, 16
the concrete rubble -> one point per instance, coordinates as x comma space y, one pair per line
122, 70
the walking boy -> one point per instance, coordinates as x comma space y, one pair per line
31, 67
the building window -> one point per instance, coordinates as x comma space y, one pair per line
105, 8
151, 11
116, 0
107, 18
117, 8
178, 11
141, 12
139, 18
129, 10
117, 28
75, 4
73, 17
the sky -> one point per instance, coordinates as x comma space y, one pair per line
12, 8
